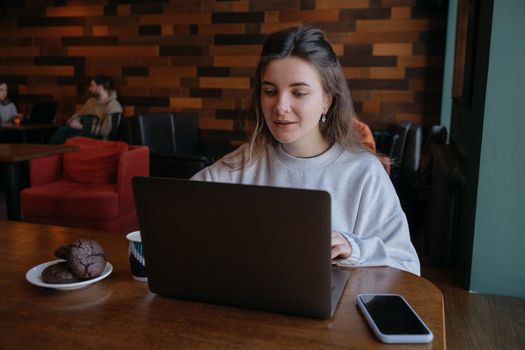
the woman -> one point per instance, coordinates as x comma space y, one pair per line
303, 137
7, 108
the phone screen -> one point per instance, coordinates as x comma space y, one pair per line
392, 315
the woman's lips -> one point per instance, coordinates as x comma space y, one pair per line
283, 123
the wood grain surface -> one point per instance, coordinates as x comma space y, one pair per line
21, 152
119, 312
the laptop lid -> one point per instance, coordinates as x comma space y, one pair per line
43, 112
250, 246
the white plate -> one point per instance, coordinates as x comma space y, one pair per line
33, 276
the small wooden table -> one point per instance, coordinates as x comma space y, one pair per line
24, 129
12, 155
119, 312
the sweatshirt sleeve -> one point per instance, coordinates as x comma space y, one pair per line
203, 175
381, 236
83, 110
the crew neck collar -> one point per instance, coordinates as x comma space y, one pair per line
319, 161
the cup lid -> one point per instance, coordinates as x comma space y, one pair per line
134, 236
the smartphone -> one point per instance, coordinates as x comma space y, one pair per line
392, 319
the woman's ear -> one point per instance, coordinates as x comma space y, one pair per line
327, 103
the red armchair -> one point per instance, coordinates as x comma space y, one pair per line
89, 189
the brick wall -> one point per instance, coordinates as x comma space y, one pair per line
200, 55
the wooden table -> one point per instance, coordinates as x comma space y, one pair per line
14, 154
119, 312
24, 129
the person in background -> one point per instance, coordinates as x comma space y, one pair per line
364, 133
7, 108
304, 137
102, 103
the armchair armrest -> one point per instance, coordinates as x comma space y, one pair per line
134, 162
45, 170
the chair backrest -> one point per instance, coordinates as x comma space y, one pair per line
167, 133
90, 122
116, 119
156, 130
401, 129
412, 153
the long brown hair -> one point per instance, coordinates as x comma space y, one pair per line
308, 43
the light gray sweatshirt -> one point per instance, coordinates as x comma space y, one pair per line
365, 206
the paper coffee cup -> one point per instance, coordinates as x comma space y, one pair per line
136, 256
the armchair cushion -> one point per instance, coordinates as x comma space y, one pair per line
95, 163
66, 199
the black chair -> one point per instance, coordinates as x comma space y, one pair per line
391, 143
89, 123
173, 142
116, 121
92, 122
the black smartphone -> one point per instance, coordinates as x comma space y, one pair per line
392, 319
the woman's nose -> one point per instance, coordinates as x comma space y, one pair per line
282, 105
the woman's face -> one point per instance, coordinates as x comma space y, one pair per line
3, 92
293, 100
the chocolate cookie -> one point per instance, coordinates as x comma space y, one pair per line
58, 274
62, 251
86, 258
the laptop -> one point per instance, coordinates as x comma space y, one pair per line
257, 247
42, 113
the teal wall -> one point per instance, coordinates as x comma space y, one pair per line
448, 70
498, 254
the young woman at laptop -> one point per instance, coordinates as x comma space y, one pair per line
304, 137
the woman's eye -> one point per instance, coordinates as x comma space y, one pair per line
269, 92
300, 93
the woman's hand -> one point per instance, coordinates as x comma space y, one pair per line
340, 247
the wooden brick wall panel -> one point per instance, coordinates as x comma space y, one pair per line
229, 50
226, 6
390, 49
154, 81
201, 55
190, 18
100, 30
20, 52
235, 61
342, 4
401, 12
219, 103
124, 10
44, 31
383, 37
420, 61
309, 16
239, 83
215, 124
265, 5
267, 28
418, 25
172, 71
386, 72
186, 102
222, 28
113, 51
36, 70
54, 90
68, 11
